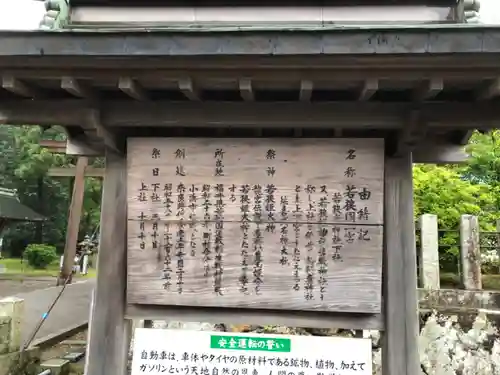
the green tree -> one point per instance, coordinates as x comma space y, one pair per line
24, 166
443, 191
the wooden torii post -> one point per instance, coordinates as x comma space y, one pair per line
79, 172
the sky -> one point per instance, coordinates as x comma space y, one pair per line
27, 14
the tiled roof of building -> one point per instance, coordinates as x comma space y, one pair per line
12, 209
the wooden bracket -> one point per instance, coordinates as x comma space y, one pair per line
306, 88
76, 88
187, 88
246, 90
17, 87
132, 88
369, 89
411, 135
489, 90
428, 89
108, 138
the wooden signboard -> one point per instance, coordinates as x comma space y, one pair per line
290, 224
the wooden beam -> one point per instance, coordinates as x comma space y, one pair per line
56, 147
369, 89
346, 115
439, 153
109, 331
76, 88
306, 88
428, 89
255, 316
187, 88
275, 72
269, 44
400, 343
15, 86
246, 90
75, 213
132, 88
489, 90
71, 172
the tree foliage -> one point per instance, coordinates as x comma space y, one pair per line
453, 190
24, 166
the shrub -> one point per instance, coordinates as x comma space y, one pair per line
40, 255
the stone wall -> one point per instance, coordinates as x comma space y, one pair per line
12, 360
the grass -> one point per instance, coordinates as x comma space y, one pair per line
16, 268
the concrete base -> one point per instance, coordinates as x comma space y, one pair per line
56, 366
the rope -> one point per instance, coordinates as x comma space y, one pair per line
45, 316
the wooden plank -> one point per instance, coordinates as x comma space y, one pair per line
71, 172
108, 329
244, 193
260, 317
75, 213
400, 344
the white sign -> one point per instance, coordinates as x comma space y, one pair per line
179, 352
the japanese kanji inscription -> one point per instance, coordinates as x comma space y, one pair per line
290, 224
180, 352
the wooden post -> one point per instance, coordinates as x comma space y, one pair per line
109, 332
75, 213
470, 254
429, 252
400, 343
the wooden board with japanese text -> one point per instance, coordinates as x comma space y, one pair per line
288, 224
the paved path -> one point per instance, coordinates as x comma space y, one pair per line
71, 310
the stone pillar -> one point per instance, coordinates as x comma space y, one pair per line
429, 252
470, 254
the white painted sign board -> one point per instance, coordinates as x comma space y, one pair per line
179, 352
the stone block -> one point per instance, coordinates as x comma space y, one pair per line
13, 308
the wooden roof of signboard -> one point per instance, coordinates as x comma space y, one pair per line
424, 85
235, 3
